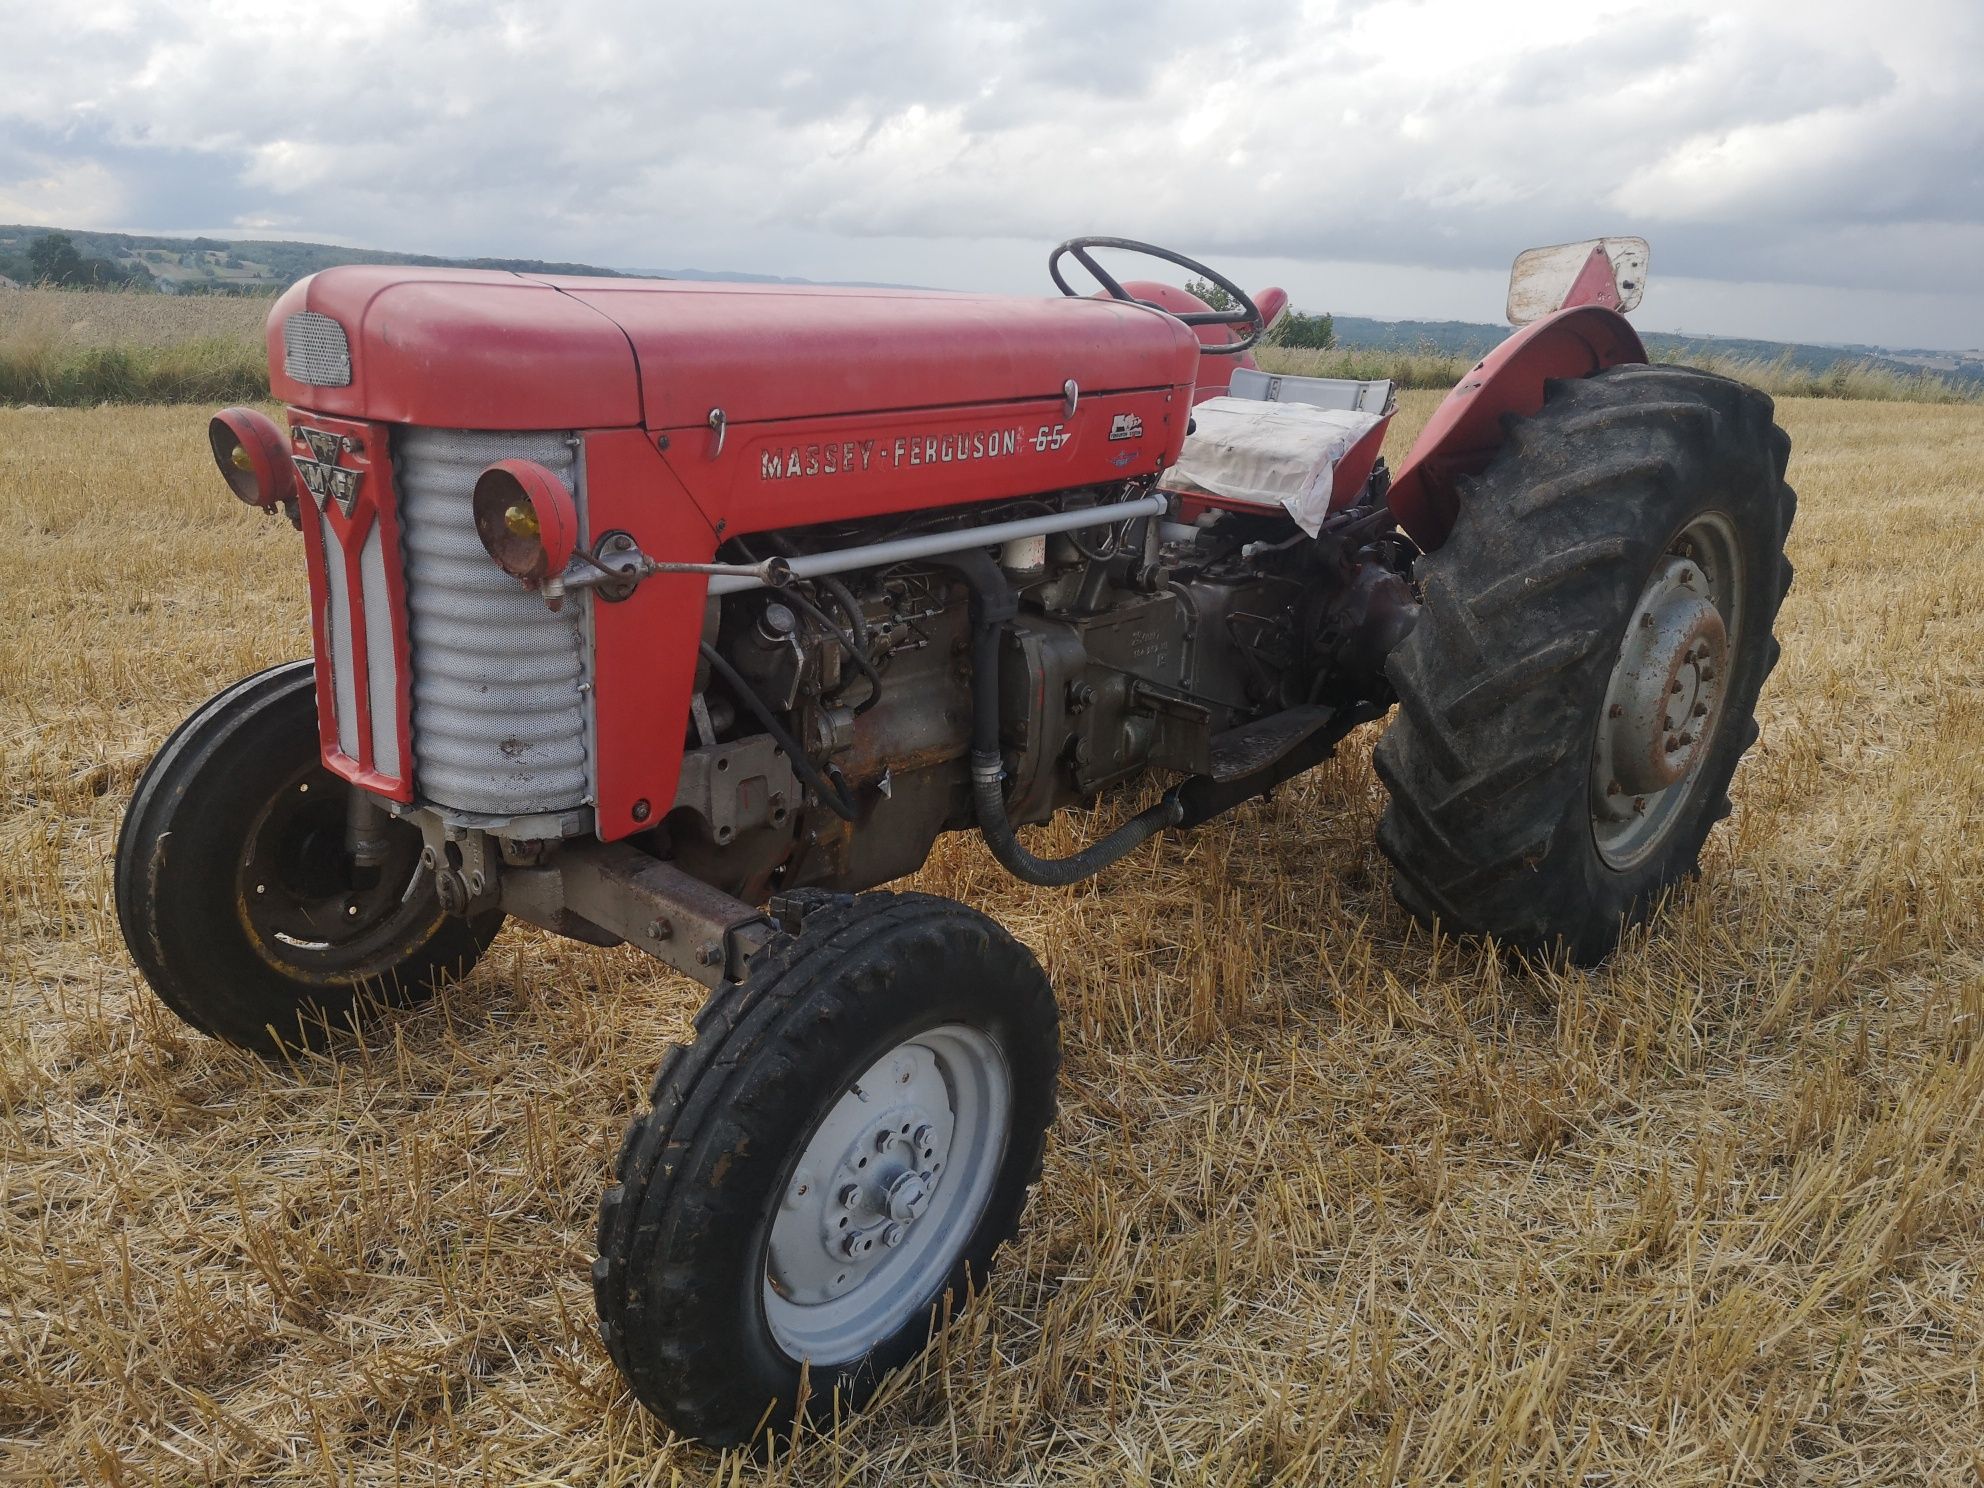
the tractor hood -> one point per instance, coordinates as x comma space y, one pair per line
468, 349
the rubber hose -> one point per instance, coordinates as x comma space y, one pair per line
992, 605
835, 799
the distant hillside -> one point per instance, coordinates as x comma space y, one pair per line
266, 266
250, 265
1472, 339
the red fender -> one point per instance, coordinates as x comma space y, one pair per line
1466, 430
1215, 372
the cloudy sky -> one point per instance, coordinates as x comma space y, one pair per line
1809, 170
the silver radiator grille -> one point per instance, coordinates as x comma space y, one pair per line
498, 717
315, 350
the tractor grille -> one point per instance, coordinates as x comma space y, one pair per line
499, 722
315, 350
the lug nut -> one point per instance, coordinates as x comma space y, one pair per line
1639, 803
1701, 710
850, 1197
894, 1235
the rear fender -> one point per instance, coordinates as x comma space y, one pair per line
1466, 430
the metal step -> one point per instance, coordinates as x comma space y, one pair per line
1254, 747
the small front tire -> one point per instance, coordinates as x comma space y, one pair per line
851, 1136
237, 899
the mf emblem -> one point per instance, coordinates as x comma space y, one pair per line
1126, 426
322, 476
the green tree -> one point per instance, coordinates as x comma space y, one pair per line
1212, 294
1314, 332
53, 259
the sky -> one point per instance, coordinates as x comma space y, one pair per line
1804, 171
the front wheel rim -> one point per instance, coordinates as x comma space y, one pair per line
887, 1192
1666, 697
308, 909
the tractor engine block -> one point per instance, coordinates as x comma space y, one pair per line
1130, 655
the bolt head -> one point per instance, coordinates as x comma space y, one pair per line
642, 810
660, 929
709, 953
1639, 803
894, 1235
850, 1196
1613, 788
1617, 710
1701, 710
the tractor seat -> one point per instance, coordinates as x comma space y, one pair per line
1301, 444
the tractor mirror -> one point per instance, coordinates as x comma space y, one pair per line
1599, 271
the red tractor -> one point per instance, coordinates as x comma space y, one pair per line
683, 614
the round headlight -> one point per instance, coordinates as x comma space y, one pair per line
526, 519
253, 457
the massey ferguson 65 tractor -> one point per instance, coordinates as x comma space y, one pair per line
684, 614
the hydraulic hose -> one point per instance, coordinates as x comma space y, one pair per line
992, 605
832, 796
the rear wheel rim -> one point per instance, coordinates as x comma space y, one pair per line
1664, 701
889, 1187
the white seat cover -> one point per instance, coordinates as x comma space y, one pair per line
1269, 454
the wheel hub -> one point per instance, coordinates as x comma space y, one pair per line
1663, 700
891, 1136
886, 1191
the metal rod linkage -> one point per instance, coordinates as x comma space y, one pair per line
903, 549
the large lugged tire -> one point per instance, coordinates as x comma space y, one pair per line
1583, 679
235, 895
851, 1135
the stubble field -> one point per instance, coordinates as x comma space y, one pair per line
1327, 1202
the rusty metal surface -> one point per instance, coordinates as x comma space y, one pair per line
1610, 272
682, 921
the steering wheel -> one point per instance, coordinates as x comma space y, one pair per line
1245, 311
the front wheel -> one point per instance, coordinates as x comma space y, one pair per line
850, 1137
1583, 679
235, 893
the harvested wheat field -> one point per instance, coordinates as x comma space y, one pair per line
1329, 1201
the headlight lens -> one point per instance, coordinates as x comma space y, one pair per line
252, 457
526, 519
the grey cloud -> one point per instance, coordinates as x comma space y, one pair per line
1832, 146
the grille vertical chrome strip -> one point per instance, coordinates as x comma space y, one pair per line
337, 625
381, 665
498, 718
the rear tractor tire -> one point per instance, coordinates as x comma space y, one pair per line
238, 900
1584, 676
829, 1166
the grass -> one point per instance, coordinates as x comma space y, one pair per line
1328, 1201
76, 349
69, 348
